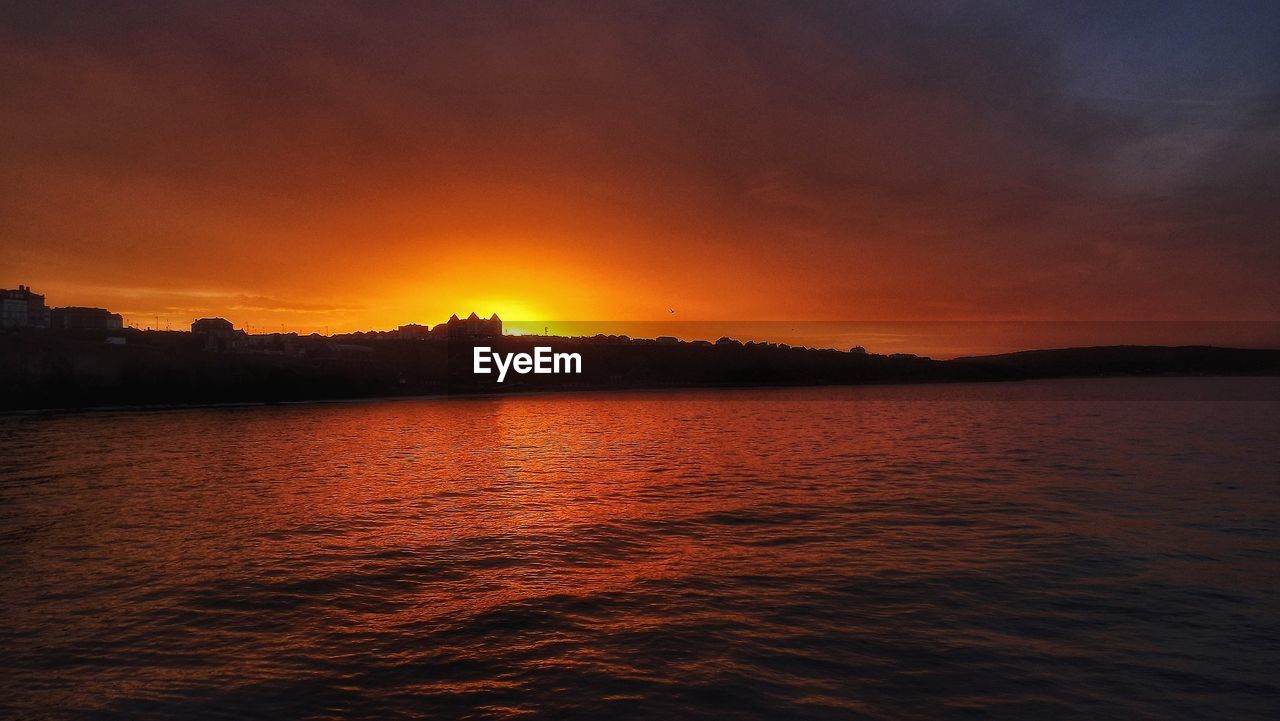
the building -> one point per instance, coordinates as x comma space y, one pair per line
473, 326
22, 309
414, 331
217, 334
212, 325
77, 318
288, 344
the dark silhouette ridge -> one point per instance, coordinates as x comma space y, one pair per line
47, 369
1125, 360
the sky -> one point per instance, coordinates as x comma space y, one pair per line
342, 166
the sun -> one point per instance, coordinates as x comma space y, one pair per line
508, 309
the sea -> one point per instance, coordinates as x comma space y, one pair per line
1068, 549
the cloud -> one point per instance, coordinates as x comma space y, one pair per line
908, 158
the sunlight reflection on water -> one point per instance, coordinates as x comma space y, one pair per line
800, 553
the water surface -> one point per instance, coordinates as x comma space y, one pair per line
1004, 551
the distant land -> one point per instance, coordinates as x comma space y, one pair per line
84, 368
80, 357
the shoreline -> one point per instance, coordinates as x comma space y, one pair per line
545, 392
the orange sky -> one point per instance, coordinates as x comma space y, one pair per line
354, 167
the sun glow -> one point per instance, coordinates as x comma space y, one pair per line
508, 309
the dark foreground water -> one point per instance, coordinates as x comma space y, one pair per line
988, 551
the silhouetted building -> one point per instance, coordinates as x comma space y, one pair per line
414, 331
473, 326
77, 318
212, 325
288, 344
218, 334
22, 309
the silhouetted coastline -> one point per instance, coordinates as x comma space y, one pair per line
81, 369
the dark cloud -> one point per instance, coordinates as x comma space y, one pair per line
970, 158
